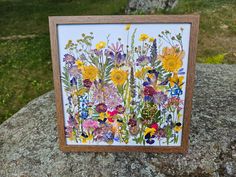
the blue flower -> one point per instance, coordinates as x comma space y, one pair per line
150, 141
84, 114
117, 139
73, 81
146, 83
108, 136
181, 71
148, 98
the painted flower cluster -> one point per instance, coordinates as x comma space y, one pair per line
124, 92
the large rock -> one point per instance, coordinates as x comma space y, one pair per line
149, 6
29, 143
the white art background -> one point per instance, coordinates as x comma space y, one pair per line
100, 32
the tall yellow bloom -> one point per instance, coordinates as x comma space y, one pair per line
172, 59
127, 27
100, 45
90, 72
118, 76
143, 37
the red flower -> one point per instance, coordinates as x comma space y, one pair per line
110, 120
155, 126
112, 113
87, 83
149, 91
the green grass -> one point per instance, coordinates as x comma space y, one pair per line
25, 64
31, 16
217, 34
25, 69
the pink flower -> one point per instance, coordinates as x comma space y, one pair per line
90, 124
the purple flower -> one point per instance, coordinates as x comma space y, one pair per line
120, 109
120, 58
74, 71
108, 95
69, 59
108, 137
97, 52
99, 133
116, 48
143, 60
159, 98
109, 54
115, 52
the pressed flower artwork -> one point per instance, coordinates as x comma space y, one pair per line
123, 84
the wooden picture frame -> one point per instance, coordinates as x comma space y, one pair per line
78, 22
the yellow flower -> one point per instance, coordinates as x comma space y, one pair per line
127, 27
126, 141
72, 136
149, 130
118, 76
102, 115
90, 137
80, 92
140, 74
143, 37
177, 128
90, 72
151, 39
172, 59
100, 45
175, 79
85, 139
151, 76
79, 64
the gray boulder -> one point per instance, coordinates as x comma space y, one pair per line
149, 6
29, 143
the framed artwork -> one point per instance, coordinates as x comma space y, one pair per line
124, 83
